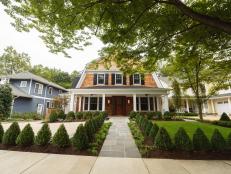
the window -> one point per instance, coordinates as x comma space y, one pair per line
225, 102
100, 79
118, 79
60, 91
100, 103
23, 84
48, 104
86, 103
136, 79
144, 103
39, 108
93, 103
50, 89
38, 88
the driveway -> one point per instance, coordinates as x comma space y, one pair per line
36, 125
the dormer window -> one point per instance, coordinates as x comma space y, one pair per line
118, 79
23, 84
101, 79
136, 79
50, 89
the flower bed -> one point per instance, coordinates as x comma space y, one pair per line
80, 144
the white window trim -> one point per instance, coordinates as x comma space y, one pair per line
40, 105
23, 84
121, 79
40, 91
51, 90
103, 79
139, 79
149, 110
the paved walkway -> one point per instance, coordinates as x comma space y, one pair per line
119, 141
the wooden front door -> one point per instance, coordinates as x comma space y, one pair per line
119, 105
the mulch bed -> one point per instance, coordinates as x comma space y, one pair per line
46, 149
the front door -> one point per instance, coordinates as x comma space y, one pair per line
119, 105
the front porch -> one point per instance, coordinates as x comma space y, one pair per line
119, 102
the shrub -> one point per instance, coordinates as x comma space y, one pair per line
79, 115
229, 141
89, 129
148, 128
44, 135
150, 115
132, 114
53, 117
168, 115
217, 141
158, 115
153, 132
87, 115
10, 136
70, 116
144, 124
26, 137
182, 140
163, 140
61, 138
61, 114
224, 117
200, 140
80, 139
1, 132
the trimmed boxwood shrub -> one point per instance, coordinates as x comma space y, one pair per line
44, 135
61, 114
158, 115
80, 138
90, 129
1, 132
150, 115
163, 140
79, 115
26, 136
182, 140
224, 117
53, 117
70, 116
200, 140
10, 136
132, 114
153, 132
61, 138
229, 141
217, 141
148, 128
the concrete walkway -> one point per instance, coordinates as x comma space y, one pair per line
37, 163
119, 141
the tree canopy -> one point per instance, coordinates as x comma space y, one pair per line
144, 30
5, 101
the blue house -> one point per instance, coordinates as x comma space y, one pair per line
31, 93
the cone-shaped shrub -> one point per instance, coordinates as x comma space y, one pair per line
89, 129
70, 116
10, 136
61, 138
200, 140
44, 135
148, 128
26, 136
144, 124
1, 132
229, 141
224, 117
80, 139
217, 141
61, 114
163, 140
153, 132
53, 117
182, 140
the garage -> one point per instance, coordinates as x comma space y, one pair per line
223, 106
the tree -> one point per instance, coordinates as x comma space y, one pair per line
176, 94
147, 28
12, 62
60, 102
196, 67
5, 100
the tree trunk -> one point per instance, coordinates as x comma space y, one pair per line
199, 105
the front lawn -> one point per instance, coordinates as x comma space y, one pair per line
190, 127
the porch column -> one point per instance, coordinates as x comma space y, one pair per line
165, 103
213, 108
229, 102
80, 101
103, 102
134, 102
187, 105
158, 103
72, 101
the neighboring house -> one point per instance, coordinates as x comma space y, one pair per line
108, 89
216, 104
31, 92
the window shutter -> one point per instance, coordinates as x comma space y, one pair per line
106, 79
124, 79
113, 79
142, 79
131, 79
95, 79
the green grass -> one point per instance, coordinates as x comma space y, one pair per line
190, 127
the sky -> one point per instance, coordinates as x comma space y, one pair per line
30, 43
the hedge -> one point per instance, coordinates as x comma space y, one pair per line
26, 136
200, 140
1, 132
10, 136
182, 140
163, 140
217, 141
224, 117
44, 135
80, 138
61, 137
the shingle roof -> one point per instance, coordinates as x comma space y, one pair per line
75, 82
28, 75
118, 87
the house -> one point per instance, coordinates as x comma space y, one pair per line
215, 105
31, 92
101, 88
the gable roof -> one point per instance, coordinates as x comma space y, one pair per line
75, 82
28, 75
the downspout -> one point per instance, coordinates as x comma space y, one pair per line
44, 103
12, 106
